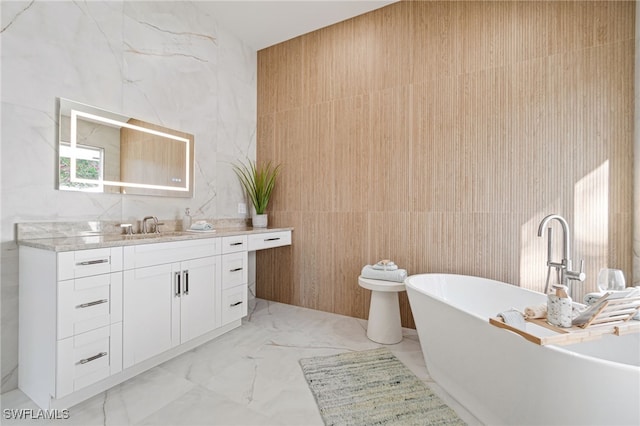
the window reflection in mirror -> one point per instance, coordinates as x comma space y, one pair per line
100, 151
89, 165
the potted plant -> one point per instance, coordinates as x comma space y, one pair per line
258, 182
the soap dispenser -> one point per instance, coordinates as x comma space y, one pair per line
559, 307
186, 220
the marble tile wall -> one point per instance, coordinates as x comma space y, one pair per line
169, 63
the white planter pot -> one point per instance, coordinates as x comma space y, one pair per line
259, 220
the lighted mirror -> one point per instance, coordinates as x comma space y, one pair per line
101, 151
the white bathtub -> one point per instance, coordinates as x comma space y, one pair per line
502, 378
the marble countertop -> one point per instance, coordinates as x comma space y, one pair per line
82, 242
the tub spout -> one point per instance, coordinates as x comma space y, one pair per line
567, 274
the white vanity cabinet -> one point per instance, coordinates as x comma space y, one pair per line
90, 319
167, 304
70, 313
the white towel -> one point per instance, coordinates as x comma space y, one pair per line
398, 275
538, 311
201, 225
513, 318
591, 298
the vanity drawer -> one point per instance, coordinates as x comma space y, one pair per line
84, 263
234, 244
269, 240
88, 303
234, 269
88, 358
234, 303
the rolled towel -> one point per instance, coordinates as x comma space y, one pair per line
201, 225
514, 318
538, 311
398, 275
385, 265
591, 298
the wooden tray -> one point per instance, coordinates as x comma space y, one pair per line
609, 310
568, 336
609, 317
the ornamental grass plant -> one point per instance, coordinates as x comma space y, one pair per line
258, 182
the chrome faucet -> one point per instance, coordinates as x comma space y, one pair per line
127, 228
567, 275
145, 230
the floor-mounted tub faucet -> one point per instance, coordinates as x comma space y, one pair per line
567, 275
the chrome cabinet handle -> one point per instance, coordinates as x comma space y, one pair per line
176, 283
272, 239
235, 270
186, 282
93, 358
92, 262
235, 304
236, 244
97, 302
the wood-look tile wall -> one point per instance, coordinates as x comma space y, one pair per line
439, 134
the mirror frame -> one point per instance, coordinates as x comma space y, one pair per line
100, 116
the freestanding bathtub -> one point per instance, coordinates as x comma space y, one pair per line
500, 377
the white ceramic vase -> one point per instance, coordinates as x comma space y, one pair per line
259, 220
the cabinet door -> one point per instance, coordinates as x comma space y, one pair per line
150, 325
200, 292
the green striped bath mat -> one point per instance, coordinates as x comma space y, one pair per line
373, 388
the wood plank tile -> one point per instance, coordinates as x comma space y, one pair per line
350, 240
351, 154
440, 134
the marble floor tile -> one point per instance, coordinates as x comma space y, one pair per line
202, 407
249, 376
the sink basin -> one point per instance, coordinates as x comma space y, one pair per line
153, 235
